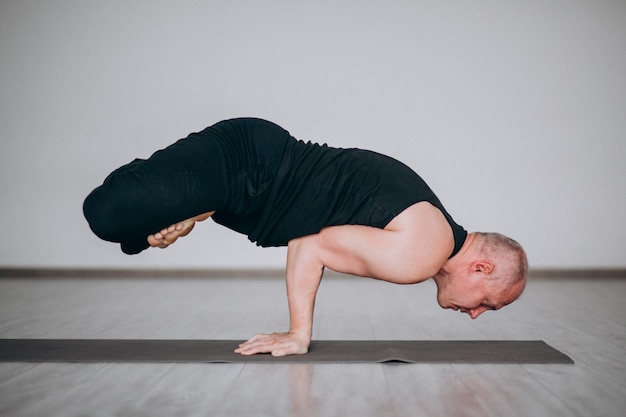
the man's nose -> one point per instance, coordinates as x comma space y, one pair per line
475, 312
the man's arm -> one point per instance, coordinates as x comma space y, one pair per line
411, 249
303, 276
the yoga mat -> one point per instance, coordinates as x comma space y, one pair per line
221, 351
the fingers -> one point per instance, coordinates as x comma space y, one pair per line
278, 344
256, 344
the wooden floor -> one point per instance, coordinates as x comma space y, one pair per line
584, 318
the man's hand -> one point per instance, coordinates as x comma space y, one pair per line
303, 276
278, 344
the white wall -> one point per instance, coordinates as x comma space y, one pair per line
513, 111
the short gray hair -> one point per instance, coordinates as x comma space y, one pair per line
511, 263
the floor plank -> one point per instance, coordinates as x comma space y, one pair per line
582, 390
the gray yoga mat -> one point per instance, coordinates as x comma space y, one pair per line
221, 351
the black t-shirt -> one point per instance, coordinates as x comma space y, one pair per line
317, 186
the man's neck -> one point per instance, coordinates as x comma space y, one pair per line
464, 253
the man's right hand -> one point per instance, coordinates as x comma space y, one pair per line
278, 344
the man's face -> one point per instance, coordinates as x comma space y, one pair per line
473, 294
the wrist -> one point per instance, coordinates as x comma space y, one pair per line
302, 334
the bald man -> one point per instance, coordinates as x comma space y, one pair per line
350, 210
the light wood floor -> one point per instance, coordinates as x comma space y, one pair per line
584, 318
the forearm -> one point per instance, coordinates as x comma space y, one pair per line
303, 275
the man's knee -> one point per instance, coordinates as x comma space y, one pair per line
110, 208
100, 213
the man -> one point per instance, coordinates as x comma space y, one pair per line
350, 210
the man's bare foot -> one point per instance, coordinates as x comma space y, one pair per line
203, 216
169, 235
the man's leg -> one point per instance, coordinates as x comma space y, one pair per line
147, 196
219, 169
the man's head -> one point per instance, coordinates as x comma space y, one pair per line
488, 273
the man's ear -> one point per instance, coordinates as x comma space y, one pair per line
483, 266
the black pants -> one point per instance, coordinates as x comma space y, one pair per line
228, 166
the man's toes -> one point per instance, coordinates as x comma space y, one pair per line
153, 240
